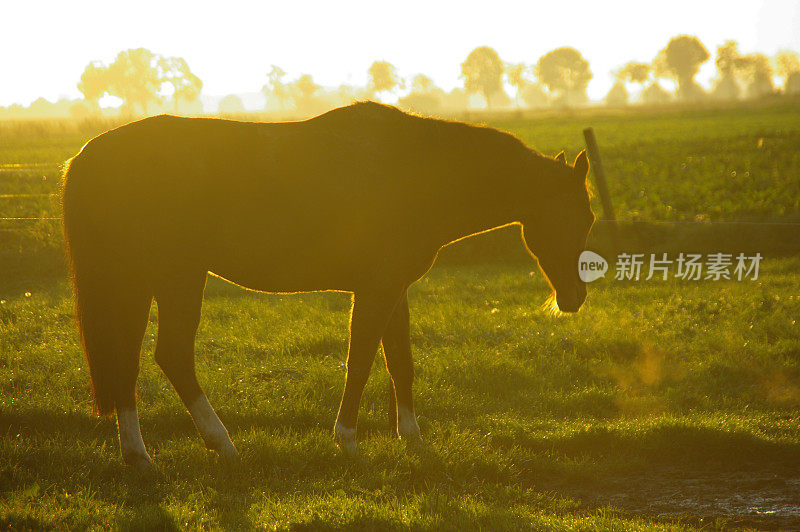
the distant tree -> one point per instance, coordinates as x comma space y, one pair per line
175, 72
535, 96
80, 109
527, 90
566, 74
62, 107
94, 84
516, 77
425, 96
618, 95
792, 84
456, 99
655, 94
787, 66
756, 72
134, 77
422, 84
15, 110
304, 94
276, 88
500, 100
383, 77
726, 86
40, 107
482, 72
419, 102
347, 94
230, 104
633, 72
681, 60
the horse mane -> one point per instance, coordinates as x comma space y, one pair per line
443, 133
480, 140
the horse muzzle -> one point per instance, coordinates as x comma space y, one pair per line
571, 300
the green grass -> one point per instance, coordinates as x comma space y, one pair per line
529, 419
661, 405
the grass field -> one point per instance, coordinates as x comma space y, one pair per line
661, 405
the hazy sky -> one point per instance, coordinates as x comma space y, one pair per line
230, 45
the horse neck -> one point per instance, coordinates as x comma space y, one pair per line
479, 201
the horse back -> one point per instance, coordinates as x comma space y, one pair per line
293, 206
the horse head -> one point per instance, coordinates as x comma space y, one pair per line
557, 229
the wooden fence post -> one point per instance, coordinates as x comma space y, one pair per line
602, 187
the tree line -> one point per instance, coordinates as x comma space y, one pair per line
144, 81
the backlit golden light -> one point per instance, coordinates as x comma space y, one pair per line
415, 265
231, 46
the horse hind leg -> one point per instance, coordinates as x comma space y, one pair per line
131, 327
112, 310
178, 317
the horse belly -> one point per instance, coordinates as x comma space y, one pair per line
276, 277
268, 267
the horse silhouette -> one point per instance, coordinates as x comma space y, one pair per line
359, 199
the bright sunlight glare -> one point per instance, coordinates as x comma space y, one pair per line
231, 45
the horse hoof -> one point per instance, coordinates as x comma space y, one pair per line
348, 447
139, 462
413, 441
225, 450
346, 440
229, 456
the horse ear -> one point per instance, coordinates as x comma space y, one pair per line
581, 165
561, 157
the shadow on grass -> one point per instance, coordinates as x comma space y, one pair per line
148, 517
667, 444
663, 443
662, 469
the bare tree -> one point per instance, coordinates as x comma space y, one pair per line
482, 72
566, 73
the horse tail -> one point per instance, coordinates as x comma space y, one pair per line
111, 304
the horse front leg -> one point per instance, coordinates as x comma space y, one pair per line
370, 316
397, 351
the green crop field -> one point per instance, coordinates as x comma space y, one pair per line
660, 405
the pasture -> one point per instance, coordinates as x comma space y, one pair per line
661, 405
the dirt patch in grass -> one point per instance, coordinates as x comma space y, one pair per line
764, 499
